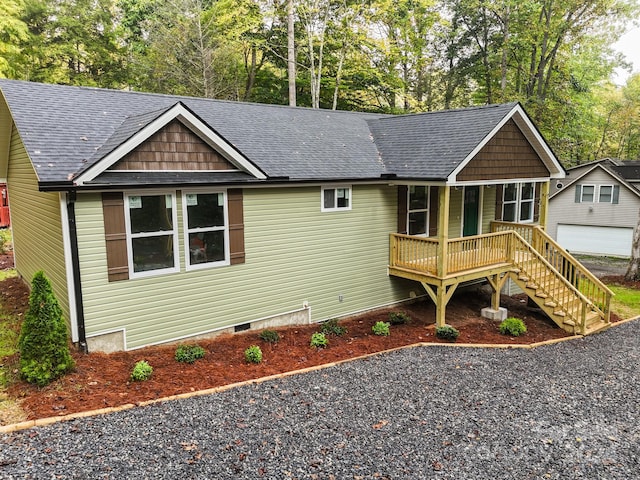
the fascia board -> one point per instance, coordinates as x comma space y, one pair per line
181, 113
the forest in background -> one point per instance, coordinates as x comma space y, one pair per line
393, 56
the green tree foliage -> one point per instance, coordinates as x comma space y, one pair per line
13, 33
43, 342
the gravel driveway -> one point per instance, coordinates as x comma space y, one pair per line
565, 411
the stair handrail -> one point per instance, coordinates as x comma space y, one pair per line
575, 263
584, 301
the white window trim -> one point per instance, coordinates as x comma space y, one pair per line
595, 193
186, 231
600, 189
336, 208
519, 201
419, 210
127, 217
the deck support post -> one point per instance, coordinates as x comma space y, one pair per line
444, 194
440, 297
497, 282
544, 204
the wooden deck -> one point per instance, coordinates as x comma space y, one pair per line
574, 298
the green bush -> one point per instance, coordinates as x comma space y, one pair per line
253, 354
269, 336
399, 318
189, 353
447, 332
331, 327
513, 326
43, 342
319, 340
141, 371
381, 328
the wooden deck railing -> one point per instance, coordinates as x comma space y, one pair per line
568, 266
532, 264
478, 251
467, 253
575, 273
525, 230
414, 253
574, 287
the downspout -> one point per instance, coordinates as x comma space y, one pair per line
75, 262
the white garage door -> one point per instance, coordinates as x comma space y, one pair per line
596, 240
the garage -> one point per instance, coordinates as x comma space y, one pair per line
596, 240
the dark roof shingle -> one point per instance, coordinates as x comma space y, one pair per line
68, 129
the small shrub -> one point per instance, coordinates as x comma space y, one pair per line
43, 342
189, 353
381, 328
331, 327
253, 354
319, 340
269, 336
513, 326
399, 318
447, 332
141, 371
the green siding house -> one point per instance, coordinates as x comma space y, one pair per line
160, 218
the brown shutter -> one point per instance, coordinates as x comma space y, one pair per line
236, 226
536, 202
499, 194
402, 208
434, 206
115, 236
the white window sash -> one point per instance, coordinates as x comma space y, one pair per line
223, 228
173, 233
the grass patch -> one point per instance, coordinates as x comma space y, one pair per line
626, 303
10, 411
4, 274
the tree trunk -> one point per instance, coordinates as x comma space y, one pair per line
291, 55
633, 271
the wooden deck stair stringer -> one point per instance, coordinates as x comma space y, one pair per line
542, 294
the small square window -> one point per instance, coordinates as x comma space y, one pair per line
338, 198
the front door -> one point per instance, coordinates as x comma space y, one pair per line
471, 209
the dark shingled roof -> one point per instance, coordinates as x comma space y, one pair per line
431, 145
68, 129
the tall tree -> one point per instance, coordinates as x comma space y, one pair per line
13, 32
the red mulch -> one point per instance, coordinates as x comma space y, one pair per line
102, 380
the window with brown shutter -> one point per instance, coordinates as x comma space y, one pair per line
115, 236
113, 207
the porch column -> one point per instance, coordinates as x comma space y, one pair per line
544, 204
444, 194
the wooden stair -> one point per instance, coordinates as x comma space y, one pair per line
547, 292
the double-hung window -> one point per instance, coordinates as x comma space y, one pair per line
336, 198
518, 202
206, 229
418, 210
151, 233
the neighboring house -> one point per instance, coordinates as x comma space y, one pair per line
160, 218
595, 209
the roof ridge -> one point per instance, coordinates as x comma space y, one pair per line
182, 98
455, 110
